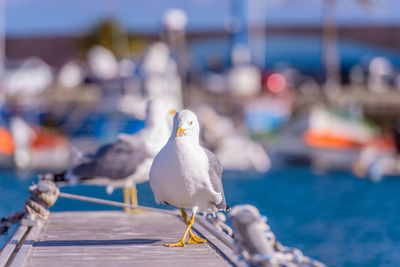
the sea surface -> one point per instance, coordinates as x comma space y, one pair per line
335, 218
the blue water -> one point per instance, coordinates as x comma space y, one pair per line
335, 218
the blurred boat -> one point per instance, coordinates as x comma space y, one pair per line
6, 145
38, 148
380, 159
325, 139
333, 130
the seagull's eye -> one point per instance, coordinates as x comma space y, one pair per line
191, 123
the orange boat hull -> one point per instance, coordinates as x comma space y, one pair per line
6, 142
328, 140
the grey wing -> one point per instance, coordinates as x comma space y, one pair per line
215, 173
117, 160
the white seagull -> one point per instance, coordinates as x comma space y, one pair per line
127, 161
186, 175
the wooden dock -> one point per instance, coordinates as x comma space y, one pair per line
106, 238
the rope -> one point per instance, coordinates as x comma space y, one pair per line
114, 203
7, 222
43, 195
219, 223
257, 245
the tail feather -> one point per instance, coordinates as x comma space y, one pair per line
77, 156
54, 177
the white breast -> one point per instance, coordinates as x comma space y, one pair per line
179, 176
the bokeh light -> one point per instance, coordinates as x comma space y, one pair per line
276, 83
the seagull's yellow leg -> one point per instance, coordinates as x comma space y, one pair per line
126, 200
193, 239
134, 199
181, 242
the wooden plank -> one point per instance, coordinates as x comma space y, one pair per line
24, 250
9, 248
113, 237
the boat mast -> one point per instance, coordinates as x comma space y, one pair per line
2, 48
330, 49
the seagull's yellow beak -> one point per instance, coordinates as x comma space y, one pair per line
172, 111
180, 131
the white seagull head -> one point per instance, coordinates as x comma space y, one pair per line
158, 112
186, 124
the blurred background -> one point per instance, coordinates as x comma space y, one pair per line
299, 99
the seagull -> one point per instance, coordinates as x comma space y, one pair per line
125, 162
186, 175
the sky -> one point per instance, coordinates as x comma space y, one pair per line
58, 17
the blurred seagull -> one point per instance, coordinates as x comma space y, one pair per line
186, 175
125, 162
